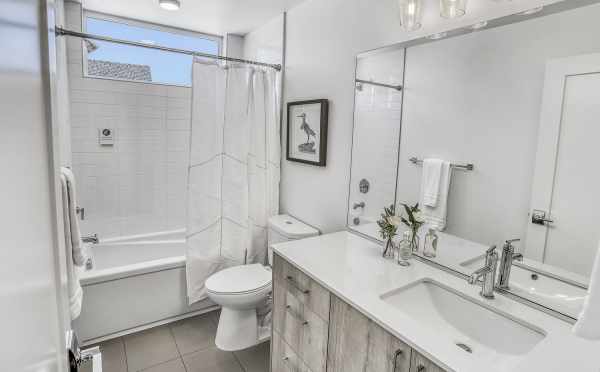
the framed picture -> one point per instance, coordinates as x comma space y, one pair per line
307, 131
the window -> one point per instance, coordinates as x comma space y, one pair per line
125, 62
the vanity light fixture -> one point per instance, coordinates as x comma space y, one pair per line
453, 8
533, 10
169, 4
478, 25
439, 35
410, 14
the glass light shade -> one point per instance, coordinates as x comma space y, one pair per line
453, 8
410, 14
169, 4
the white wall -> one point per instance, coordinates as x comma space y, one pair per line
477, 98
323, 38
139, 184
265, 44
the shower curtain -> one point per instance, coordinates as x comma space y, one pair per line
233, 179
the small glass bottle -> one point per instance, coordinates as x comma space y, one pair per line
430, 245
405, 249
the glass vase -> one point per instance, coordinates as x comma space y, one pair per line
388, 249
414, 240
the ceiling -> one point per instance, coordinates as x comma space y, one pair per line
209, 16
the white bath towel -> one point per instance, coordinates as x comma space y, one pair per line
432, 172
75, 291
435, 217
73, 223
588, 323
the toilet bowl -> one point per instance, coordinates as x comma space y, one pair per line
240, 290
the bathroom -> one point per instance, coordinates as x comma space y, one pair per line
247, 186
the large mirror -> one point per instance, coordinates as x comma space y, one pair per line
513, 108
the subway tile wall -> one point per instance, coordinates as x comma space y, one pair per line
138, 185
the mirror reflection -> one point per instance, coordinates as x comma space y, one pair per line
498, 132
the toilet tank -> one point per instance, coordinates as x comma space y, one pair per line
283, 228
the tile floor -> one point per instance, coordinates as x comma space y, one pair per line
184, 346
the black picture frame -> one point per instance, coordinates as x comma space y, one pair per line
323, 126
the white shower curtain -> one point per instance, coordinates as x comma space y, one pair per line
233, 180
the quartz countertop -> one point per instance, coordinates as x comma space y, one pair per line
351, 267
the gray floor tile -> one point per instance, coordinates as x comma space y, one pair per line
149, 348
113, 356
211, 360
193, 334
175, 365
255, 359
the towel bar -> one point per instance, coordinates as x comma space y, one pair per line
466, 167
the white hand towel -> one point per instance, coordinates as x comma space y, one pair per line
75, 291
435, 217
432, 172
588, 323
73, 223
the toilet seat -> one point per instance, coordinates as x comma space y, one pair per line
240, 280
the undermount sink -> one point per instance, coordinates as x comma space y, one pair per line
473, 326
543, 289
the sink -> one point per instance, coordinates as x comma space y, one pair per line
471, 325
542, 289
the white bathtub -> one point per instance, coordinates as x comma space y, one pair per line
136, 283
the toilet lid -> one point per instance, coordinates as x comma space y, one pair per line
239, 279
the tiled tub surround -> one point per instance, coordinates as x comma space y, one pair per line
351, 269
184, 346
137, 185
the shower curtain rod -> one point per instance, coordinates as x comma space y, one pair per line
64, 32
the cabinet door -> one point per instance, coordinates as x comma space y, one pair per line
357, 344
421, 364
283, 357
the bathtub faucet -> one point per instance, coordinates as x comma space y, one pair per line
90, 239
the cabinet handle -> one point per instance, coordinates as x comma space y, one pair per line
288, 308
295, 284
396, 355
421, 368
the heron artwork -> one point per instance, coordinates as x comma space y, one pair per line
309, 146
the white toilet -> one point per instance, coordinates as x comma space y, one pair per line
241, 289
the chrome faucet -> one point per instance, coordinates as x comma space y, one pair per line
508, 256
488, 272
90, 239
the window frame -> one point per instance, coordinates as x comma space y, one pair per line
143, 24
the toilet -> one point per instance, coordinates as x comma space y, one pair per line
240, 290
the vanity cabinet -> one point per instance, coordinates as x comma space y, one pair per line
315, 331
357, 344
300, 317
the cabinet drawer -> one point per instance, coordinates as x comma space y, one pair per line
303, 330
283, 357
421, 364
306, 290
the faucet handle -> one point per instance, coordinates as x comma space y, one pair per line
510, 241
490, 250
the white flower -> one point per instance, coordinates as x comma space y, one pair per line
419, 217
394, 221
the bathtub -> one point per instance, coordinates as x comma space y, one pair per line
134, 283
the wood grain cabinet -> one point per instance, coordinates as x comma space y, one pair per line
421, 364
315, 331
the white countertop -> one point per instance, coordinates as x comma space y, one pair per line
351, 267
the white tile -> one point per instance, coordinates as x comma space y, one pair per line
178, 141
178, 124
179, 113
179, 92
